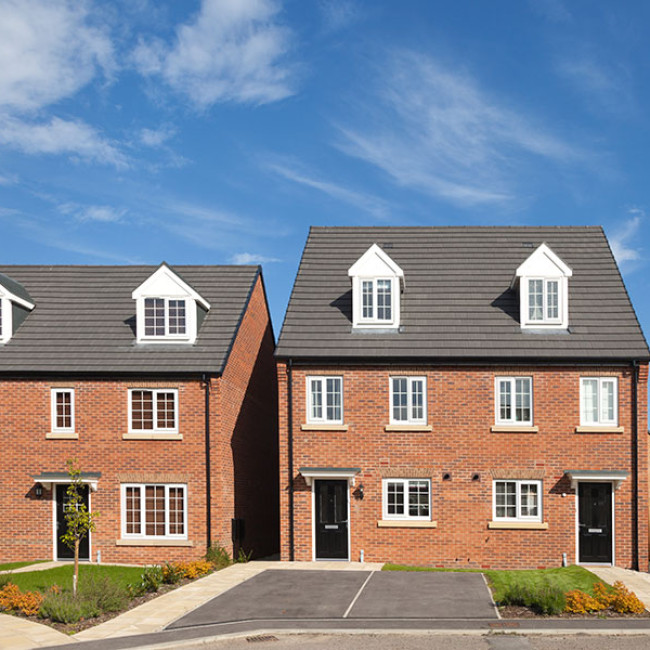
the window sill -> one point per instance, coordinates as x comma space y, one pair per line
408, 427
153, 542
68, 435
601, 429
513, 428
323, 426
404, 523
518, 525
152, 436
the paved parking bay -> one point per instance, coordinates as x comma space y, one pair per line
330, 595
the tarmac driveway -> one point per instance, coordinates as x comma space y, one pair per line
294, 594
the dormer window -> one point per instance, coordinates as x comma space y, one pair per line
164, 317
543, 290
168, 309
375, 290
15, 304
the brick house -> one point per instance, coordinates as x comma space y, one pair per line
161, 383
463, 397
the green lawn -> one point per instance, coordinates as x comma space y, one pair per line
62, 576
9, 566
566, 578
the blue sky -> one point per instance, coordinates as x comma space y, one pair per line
217, 131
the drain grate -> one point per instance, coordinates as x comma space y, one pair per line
261, 638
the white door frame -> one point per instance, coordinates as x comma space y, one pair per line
313, 520
577, 523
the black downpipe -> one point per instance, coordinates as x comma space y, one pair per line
290, 455
635, 465
208, 483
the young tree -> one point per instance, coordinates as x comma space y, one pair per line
79, 521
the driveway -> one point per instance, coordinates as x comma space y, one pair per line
330, 595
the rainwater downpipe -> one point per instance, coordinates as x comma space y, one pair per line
290, 455
635, 464
208, 482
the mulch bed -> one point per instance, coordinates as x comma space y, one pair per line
512, 611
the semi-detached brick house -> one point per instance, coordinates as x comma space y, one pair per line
161, 383
463, 397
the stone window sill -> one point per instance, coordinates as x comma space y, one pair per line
603, 429
399, 523
513, 429
70, 435
409, 427
518, 525
152, 436
153, 542
324, 426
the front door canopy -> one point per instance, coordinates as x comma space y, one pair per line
311, 473
48, 479
595, 475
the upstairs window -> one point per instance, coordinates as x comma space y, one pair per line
599, 401
375, 290
408, 400
543, 281
153, 411
514, 401
62, 410
167, 308
377, 300
164, 317
325, 400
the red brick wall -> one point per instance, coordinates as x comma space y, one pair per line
243, 442
461, 410
26, 523
245, 453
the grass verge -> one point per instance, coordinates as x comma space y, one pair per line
564, 578
10, 566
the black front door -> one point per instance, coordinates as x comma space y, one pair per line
595, 522
331, 520
63, 552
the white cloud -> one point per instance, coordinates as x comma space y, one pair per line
101, 213
58, 136
434, 129
7, 180
155, 137
251, 258
48, 52
367, 202
231, 51
339, 14
623, 239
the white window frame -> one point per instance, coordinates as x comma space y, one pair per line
545, 320
600, 422
324, 419
409, 393
189, 303
155, 391
497, 402
405, 483
6, 320
53, 394
374, 320
142, 487
519, 516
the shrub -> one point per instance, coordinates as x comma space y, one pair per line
243, 557
107, 594
172, 573
625, 601
65, 608
218, 556
12, 599
620, 599
579, 602
152, 578
543, 599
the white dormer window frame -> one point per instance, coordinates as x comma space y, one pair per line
166, 309
543, 281
376, 290
6, 313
